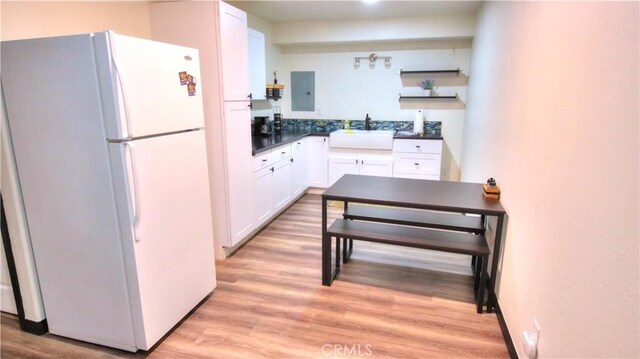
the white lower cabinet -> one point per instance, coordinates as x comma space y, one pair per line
419, 159
281, 185
359, 165
274, 178
318, 147
299, 167
262, 204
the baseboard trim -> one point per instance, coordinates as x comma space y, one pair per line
511, 348
37, 328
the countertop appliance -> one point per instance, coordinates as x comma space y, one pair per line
261, 125
110, 149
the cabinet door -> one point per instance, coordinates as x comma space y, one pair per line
262, 204
317, 161
234, 50
376, 167
281, 185
257, 65
299, 171
340, 166
237, 124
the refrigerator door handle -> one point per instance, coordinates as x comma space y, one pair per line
132, 185
125, 105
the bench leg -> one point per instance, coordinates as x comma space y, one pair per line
474, 259
483, 281
476, 276
347, 248
338, 240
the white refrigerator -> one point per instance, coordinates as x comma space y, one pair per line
110, 150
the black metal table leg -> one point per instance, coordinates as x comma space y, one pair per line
326, 247
483, 283
494, 263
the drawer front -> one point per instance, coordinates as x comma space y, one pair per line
281, 153
427, 164
261, 161
417, 146
297, 146
417, 176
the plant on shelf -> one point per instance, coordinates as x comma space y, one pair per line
428, 85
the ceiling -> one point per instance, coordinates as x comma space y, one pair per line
292, 11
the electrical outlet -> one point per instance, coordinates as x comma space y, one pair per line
530, 340
536, 330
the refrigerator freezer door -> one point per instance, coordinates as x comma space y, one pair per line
148, 87
169, 225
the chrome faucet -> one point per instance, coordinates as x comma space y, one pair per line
367, 125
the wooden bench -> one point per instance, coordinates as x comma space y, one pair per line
452, 242
409, 217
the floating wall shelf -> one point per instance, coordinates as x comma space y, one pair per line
400, 97
457, 72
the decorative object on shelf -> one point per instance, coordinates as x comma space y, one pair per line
275, 91
428, 85
490, 190
275, 78
373, 57
418, 123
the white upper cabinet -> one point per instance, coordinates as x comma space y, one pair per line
234, 53
257, 65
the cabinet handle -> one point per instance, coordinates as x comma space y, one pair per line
250, 105
271, 169
250, 96
417, 164
299, 143
264, 160
356, 161
291, 159
324, 139
284, 152
362, 162
417, 146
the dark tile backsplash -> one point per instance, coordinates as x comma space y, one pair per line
432, 128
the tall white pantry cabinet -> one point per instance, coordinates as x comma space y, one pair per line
226, 95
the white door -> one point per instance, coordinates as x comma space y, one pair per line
237, 130
6, 290
173, 245
152, 97
262, 204
281, 184
317, 160
376, 167
235, 53
257, 65
340, 166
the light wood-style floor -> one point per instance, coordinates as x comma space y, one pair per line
388, 302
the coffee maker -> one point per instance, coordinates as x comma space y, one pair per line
260, 126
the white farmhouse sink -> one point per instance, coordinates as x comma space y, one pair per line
374, 140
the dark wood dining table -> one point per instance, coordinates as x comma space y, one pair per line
445, 196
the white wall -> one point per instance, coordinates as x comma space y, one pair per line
553, 115
434, 27
31, 19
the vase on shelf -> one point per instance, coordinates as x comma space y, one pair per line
426, 92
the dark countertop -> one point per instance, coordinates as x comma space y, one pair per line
264, 143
